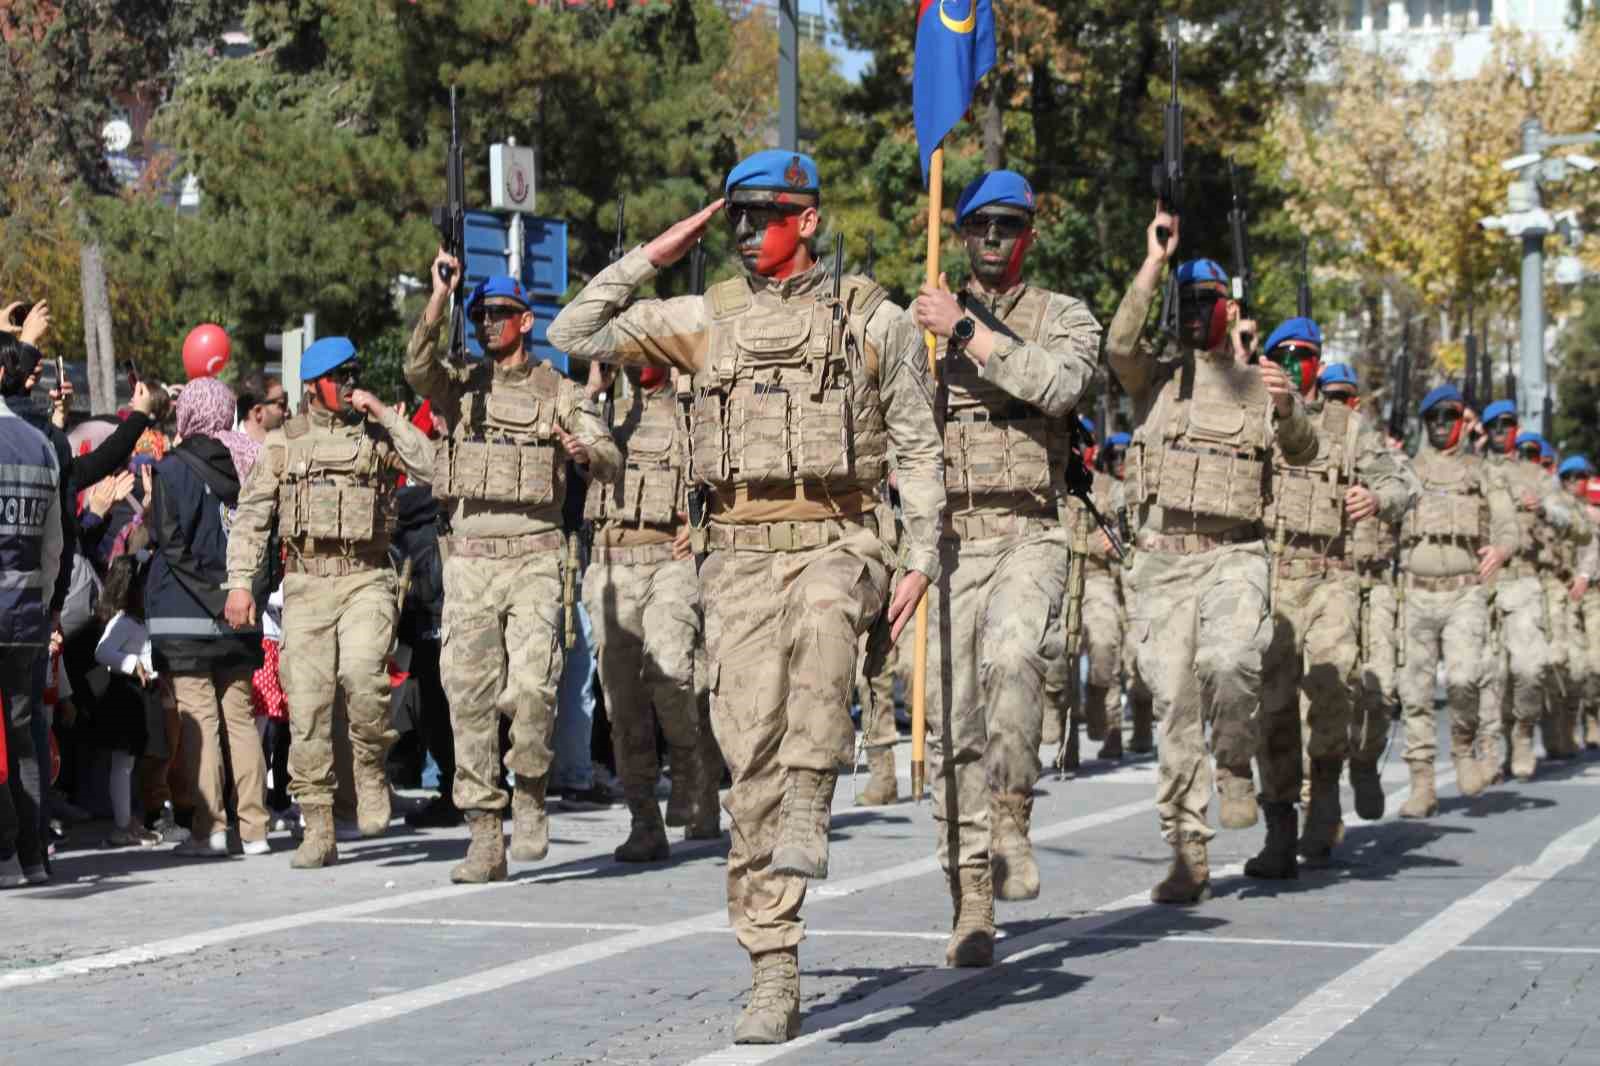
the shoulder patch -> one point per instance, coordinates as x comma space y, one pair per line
728, 298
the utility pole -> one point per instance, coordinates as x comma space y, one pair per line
789, 75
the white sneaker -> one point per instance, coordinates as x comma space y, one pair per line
11, 873
287, 820
213, 847
256, 847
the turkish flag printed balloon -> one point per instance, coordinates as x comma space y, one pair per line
205, 351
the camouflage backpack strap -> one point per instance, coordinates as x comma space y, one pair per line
862, 298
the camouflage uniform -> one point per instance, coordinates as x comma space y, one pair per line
1588, 612
502, 474
330, 488
1311, 668
1372, 549
645, 608
876, 672
1197, 469
1530, 611
1464, 506
789, 430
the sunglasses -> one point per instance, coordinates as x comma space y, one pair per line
1443, 416
279, 401
1503, 423
1006, 227
1531, 451
495, 313
1568, 478
761, 216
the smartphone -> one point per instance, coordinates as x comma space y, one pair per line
61, 374
132, 372
20, 315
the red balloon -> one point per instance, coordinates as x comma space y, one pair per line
205, 351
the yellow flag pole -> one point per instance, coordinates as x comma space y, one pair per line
919, 658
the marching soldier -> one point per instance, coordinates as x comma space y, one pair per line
1519, 600
1105, 618
879, 732
1575, 473
803, 382
1310, 682
644, 599
1455, 541
1014, 361
327, 479
1207, 420
1372, 547
501, 471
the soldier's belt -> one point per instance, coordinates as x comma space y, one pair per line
1517, 569
333, 565
632, 554
504, 547
1311, 566
984, 527
1194, 543
1442, 584
786, 536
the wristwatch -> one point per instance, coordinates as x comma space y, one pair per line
963, 331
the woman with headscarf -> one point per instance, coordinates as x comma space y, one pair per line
193, 493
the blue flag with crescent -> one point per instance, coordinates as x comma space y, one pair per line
955, 47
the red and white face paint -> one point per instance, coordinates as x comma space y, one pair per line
331, 393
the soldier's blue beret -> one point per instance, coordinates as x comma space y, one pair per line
774, 170
499, 286
1296, 329
996, 187
1575, 464
1118, 440
1528, 436
325, 355
1499, 408
1337, 374
1439, 395
1196, 271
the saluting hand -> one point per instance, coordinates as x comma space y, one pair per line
681, 236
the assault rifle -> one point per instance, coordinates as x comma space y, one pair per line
450, 219
1470, 371
1168, 179
1400, 388
1239, 233
619, 247
870, 269
1303, 292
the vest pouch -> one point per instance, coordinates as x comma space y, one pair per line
470, 472
1211, 422
358, 512
1027, 456
322, 510
823, 429
954, 462
442, 484
601, 500
708, 459
985, 457
1210, 483
1308, 506
652, 494
515, 413
536, 475
502, 475
289, 520
758, 433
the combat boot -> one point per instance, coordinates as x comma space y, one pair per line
1277, 861
773, 1014
882, 788
372, 798
1143, 740
1368, 787
317, 847
486, 852
1189, 877
1324, 827
1523, 760
1112, 746
1236, 794
972, 932
1015, 873
1470, 778
647, 839
1557, 747
1491, 762
685, 773
705, 814
802, 848
530, 826
1423, 801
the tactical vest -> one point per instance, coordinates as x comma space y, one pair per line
330, 488
780, 400
1207, 444
995, 444
650, 491
1451, 506
1308, 500
503, 448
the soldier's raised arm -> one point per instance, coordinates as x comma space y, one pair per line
1130, 356
905, 388
411, 446
600, 324
425, 368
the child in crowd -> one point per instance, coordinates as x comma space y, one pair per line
131, 707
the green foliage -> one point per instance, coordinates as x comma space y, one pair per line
1578, 380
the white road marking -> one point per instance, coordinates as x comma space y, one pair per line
385, 1008
475, 923
1314, 1020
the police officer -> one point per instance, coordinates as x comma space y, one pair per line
327, 480
1310, 681
31, 549
794, 413
1207, 424
1455, 541
643, 598
513, 423
1014, 361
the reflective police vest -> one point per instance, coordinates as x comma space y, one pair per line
29, 481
